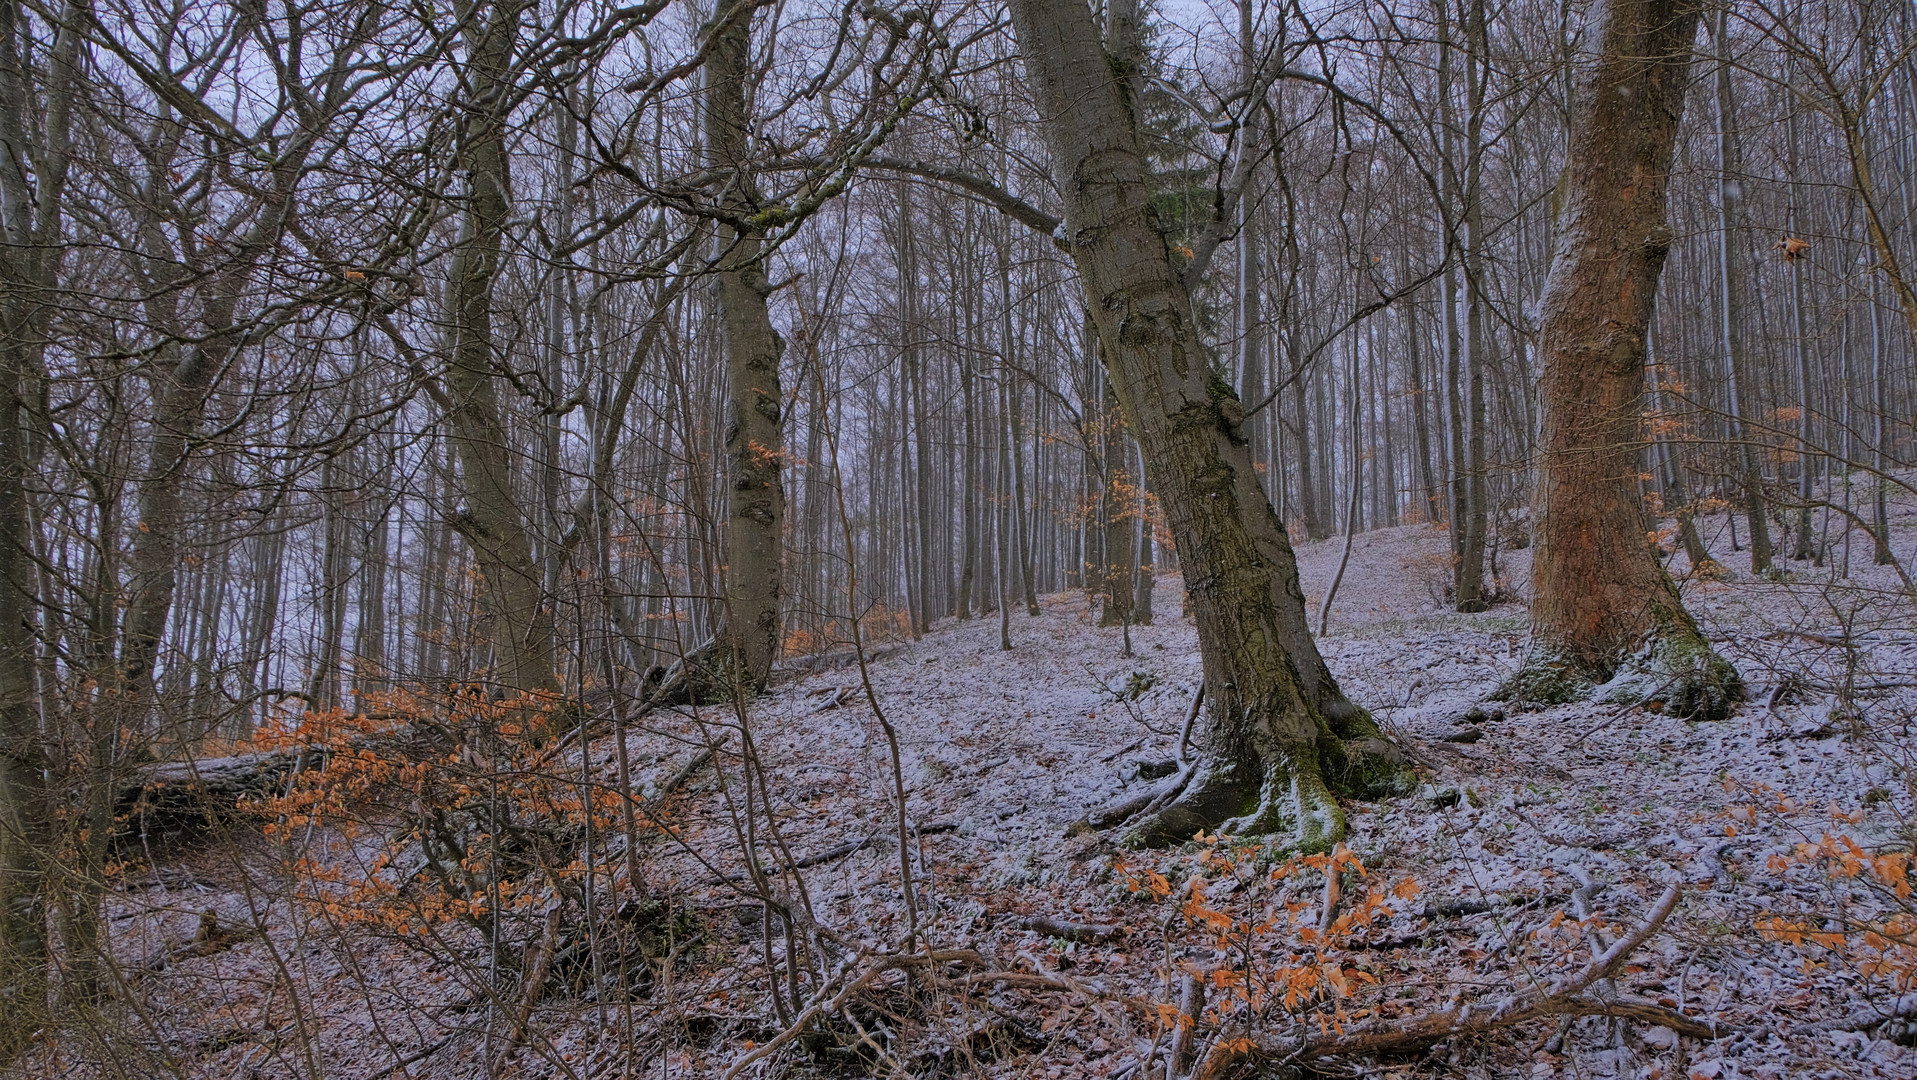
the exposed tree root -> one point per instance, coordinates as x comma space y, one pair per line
1296, 797
1211, 793
1293, 800
1674, 671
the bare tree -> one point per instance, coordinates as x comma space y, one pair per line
1603, 603
1265, 770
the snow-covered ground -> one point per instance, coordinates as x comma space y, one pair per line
1529, 847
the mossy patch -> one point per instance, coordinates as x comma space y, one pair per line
1679, 673
1295, 802
1673, 671
1371, 768
1544, 680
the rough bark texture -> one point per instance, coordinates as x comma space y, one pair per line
755, 496
511, 596
1605, 610
1270, 748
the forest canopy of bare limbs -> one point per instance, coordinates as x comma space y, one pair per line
1139, 538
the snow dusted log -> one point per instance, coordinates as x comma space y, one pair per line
174, 796
1068, 931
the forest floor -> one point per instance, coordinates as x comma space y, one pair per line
1520, 855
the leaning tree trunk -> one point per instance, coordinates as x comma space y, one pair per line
1270, 749
755, 503
1605, 610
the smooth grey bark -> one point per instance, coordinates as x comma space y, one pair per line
1471, 530
1115, 512
1142, 572
1023, 530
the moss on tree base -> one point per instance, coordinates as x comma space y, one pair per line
1544, 680
1674, 671
1293, 801
1295, 797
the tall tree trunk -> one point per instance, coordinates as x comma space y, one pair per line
968, 450
1677, 495
1473, 527
1805, 546
1604, 606
31, 220
1023, 528
1142, 570
512, 602
754, 439
1270, 747
1730, 197
323, 690
1879, 452
1421, 414
1458, 478
1116, 549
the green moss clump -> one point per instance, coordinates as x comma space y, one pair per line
1372, 768
1689, 678
1544, 681
1293, 801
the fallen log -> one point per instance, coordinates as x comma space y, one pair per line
1066, 930
172, 797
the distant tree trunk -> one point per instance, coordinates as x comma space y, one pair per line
1420, 415
754, 437
1142, 573
1805, 546
1604, 605
1117, 548
1024, 530
1458, 479
371, 668
1478, 339
1677, 492
1251, 265
1270, 748
1302, 450
323, 691
1730, 196
968, 483
35, 109
265, 552
1880, 391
